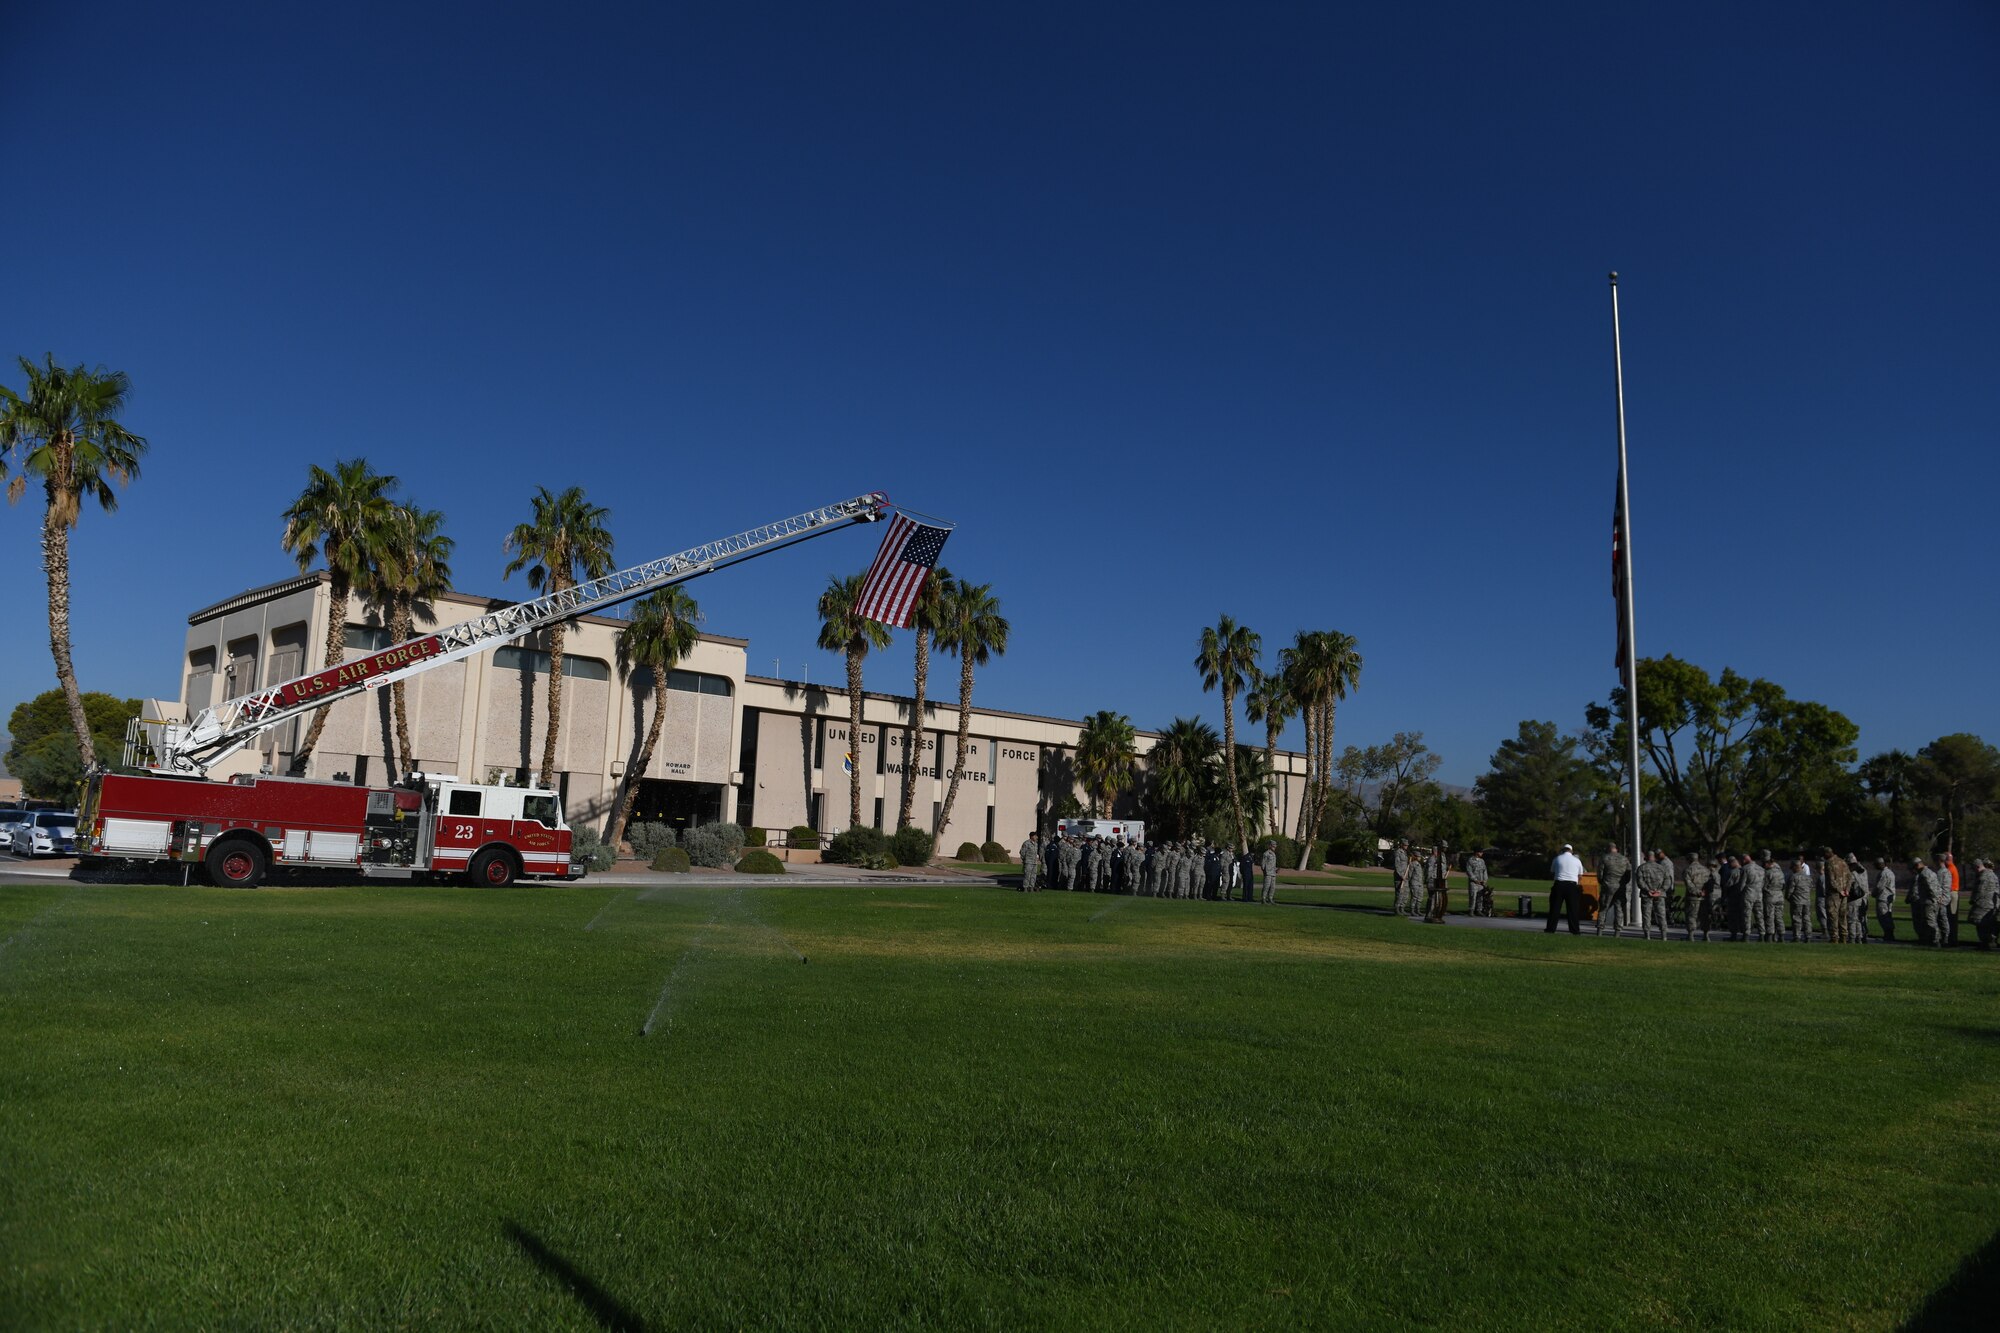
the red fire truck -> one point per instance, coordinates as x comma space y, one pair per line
241, 831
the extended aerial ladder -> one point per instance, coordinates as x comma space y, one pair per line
217, 732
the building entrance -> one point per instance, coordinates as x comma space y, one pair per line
680, 804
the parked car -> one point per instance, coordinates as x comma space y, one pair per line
44, 833
9, 816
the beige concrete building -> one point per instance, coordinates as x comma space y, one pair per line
734, 747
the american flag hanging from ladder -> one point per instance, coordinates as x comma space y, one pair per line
909, 552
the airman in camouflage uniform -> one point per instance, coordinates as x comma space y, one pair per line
1836, 881
1655, 881
1927, 906
1270, 869
1400, 863
1418, 887
1885, 899
1750, 881
1479, 898
1775, 885
1699, 876
1986, 903
1031, 862
1799, 897
1614, 881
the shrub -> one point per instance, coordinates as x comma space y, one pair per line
1353, 848
757, 861
993, 854
713, 845
649, 839
856, 845
754, 838
1316, 858
883, 860
672, 858
802, 835
587, 849
911, 846
967, 851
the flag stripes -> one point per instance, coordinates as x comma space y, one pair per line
909, 552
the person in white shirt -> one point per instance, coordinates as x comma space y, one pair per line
1566, 894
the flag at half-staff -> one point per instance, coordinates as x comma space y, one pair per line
909, 553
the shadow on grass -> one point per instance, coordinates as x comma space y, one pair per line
1968, 1300
602, 1306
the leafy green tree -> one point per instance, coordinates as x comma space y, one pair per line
1438, 817
64, 432
1400, 767
925, 612
1539, 792
1272, 703
971, 628
346, 518
564, 544
843, 629
1725, 748
1105, 753
1957, 780
1183, 775
1228, 657
43, 752
660, 634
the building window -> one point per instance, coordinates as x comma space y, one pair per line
535, 660
367, 638
698, 682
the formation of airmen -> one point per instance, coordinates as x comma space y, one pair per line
1804, 897
1191, 869
1423, 882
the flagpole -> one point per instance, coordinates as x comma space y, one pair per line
1630, 666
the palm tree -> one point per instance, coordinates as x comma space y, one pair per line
843, 629
423, 559
1253, 779
1228, 657
65, 432
1271, 703
1181, 770
661, 633
565, 543
1105, 752
346, 518
971, 627
924, 620
1323, 666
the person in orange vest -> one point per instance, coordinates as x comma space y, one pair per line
1948, 881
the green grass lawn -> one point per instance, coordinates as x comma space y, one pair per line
333, 1108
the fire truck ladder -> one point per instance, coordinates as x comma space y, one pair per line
218, 732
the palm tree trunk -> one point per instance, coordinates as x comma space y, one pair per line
913, 757
964, 738
1229, 760
55, 562
1271, 802
1310, 717
336, 653
399, 630
645, 756
854, 739
547, 779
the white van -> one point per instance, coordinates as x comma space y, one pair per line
1132, 830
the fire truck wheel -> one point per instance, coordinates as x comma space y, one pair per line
491, 870
235, 863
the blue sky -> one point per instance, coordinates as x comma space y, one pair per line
1296, 313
